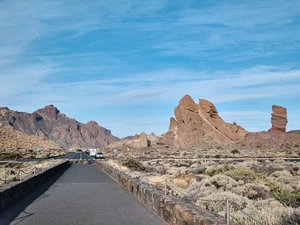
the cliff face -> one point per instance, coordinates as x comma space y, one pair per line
194, 120
49, 123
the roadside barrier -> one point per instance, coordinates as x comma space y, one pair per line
172, 209
169, 186
19, 174
15, 190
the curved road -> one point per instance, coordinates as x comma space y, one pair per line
81, 194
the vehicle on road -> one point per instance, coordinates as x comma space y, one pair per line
93, 152
99, 155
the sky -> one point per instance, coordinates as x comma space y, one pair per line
127, 63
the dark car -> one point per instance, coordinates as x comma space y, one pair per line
99, 155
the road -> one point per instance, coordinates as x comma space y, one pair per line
80, 194
76, 156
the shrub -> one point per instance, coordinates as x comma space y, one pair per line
10, 155
211, 171
14, 165
289, 198
218, 156
291, 219
243, 173
133, 164
235, 151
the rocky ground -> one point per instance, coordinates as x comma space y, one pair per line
16, 171
15, 144
267, 191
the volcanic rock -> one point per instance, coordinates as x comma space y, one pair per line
142, 140
49, 123
278, 119
196, 120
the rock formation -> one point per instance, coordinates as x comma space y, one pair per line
49, 123
278, 119
193, 121
142, 140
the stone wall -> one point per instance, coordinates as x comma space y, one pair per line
173, 210
13, 191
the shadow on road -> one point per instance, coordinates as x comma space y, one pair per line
11, 213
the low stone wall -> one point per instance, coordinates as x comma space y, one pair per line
173, 210
13, 191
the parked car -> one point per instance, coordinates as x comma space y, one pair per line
99, 155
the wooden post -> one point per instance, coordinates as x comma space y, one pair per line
165, 187
227, 211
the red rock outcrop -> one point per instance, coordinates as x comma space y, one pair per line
278, 119
142, 140
49, 123
196, 120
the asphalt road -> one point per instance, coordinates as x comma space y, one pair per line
81, 194
75, 156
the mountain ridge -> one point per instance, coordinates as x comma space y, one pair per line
49, 123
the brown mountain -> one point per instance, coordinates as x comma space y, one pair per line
49, 123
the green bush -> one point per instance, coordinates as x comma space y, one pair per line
241, 174
211, 171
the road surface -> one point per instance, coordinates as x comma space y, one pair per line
81, 194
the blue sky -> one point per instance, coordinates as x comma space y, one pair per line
126, 64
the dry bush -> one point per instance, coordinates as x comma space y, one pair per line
242, 173
10, 156
211, 171
292, 218
255, 191
200, 170
133, 164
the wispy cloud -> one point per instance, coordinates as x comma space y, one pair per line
117, 53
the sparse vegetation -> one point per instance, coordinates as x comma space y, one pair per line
133, 164
292, 218
235, 151
10, 156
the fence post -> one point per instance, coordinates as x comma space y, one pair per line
165, 187
227, 211
5, 175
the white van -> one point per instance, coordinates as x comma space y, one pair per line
93, 152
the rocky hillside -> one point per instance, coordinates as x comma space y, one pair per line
50, 124
26, 145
